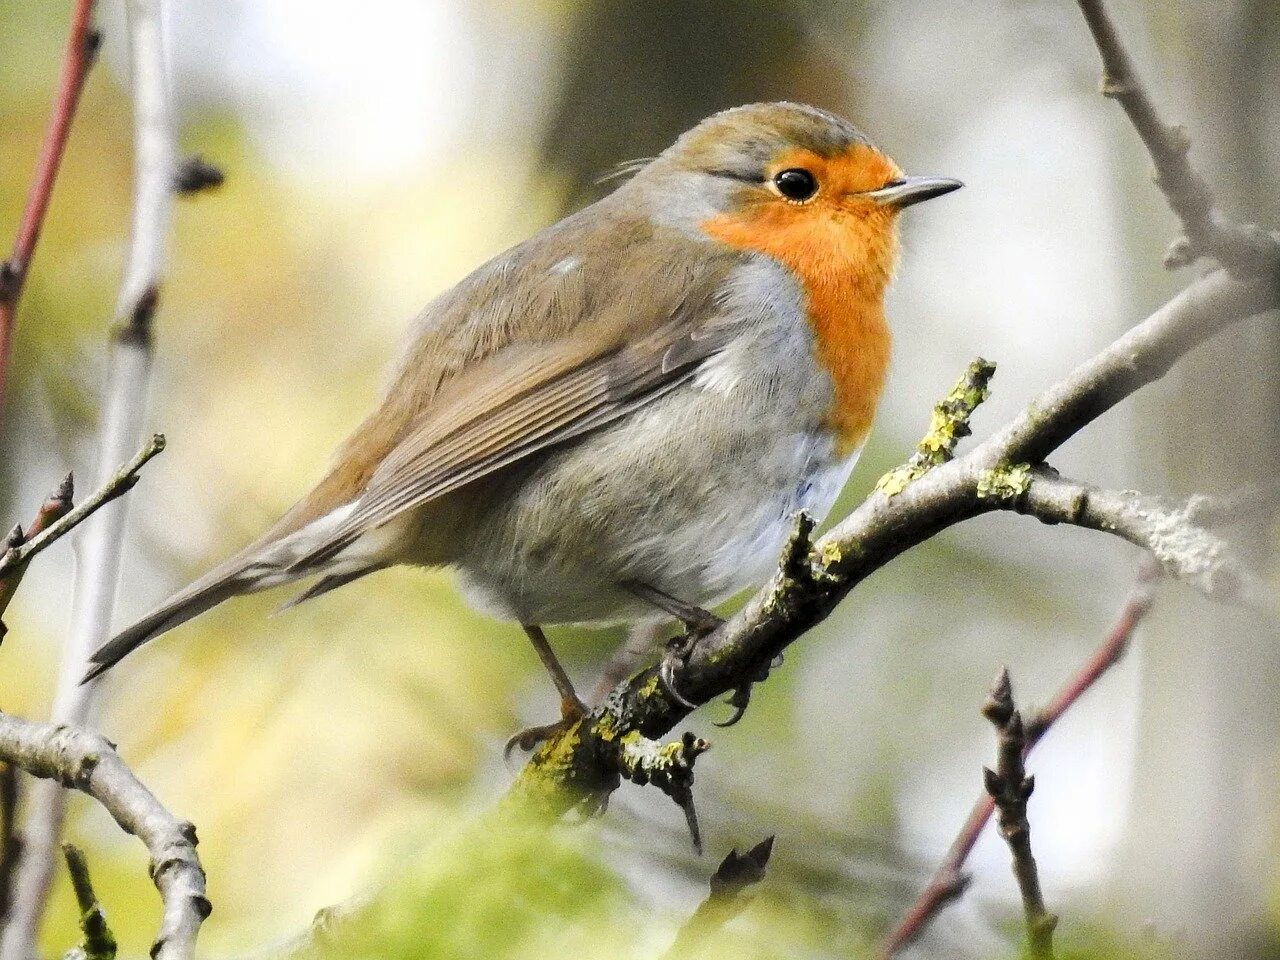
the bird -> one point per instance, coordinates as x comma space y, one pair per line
616, 420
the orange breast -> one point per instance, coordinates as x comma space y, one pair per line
843, 260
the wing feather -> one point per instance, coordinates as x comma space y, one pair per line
522, 400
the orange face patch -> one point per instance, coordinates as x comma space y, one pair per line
842, 248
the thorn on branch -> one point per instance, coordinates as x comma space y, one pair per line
950, 424
669, 767
97, 943
195, 174
1010, 788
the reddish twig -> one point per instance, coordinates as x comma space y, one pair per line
52, 510
949, 881
81, 47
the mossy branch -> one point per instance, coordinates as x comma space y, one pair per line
950, 424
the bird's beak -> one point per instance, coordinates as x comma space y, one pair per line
905, 191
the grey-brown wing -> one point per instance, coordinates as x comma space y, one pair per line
525, 399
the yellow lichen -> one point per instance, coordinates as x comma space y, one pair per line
948, 424
1006, 482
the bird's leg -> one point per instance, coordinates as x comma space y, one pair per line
572, 709
697, 622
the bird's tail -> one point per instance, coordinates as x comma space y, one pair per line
210, 590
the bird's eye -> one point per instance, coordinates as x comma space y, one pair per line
796, 184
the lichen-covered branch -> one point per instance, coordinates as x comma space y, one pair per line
949, 880
1010, 788
950, 424
71, 757
1004, 472
1246, 250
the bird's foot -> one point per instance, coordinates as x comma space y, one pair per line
740, 699
698, 623
572, 710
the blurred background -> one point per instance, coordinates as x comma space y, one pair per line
375, 154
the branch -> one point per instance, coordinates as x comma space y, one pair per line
10, 842
1245, 250
579, 767
54, 508
97, 943
729, 884
118, 484
98, 572
78, 56
1010, 788
70, 757
949, 881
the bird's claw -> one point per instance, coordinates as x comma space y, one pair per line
740, 699
571, 711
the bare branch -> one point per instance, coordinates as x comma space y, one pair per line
10, 842
97, 943
78, 57
949, 881
1010, 788
97, 574
71, 757
729, 885
117, 485
1246, 250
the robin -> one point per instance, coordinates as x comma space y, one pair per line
616, 420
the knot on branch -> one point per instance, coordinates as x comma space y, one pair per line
950, 424
669, 767
195, 174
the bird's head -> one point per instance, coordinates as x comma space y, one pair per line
789, 180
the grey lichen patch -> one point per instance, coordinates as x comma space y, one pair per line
1005, 483
949, 424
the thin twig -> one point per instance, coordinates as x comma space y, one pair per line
97, 942
54, 508
729, 884
1010, 788
77, 58
1247, 250
117, 485
123, 417
949, 880
70, 757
